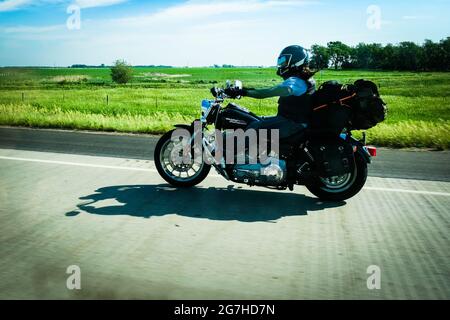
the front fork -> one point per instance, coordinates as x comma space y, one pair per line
208, 147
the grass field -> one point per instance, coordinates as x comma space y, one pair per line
419, 103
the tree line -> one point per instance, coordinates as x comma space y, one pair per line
405, 56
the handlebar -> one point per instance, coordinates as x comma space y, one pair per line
216, 91
219, 93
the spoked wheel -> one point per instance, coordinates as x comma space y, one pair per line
342, 187
187, 173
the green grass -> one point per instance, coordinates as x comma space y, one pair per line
419, 103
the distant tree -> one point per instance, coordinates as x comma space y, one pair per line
339, 53
320, 57
362, 56
367, 56
79, 66
121, 72
432, 57
408, 55
376, 53
387, 61
445, 47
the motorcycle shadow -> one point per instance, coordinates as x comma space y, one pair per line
212, 203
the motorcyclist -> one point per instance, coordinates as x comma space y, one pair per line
294, 104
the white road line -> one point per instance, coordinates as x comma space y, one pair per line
433, 193
79, 164
446, 194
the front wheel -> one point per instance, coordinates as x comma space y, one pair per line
343, 187
186, 174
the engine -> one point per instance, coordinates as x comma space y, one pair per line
271, 174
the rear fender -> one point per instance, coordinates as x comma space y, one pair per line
360, 149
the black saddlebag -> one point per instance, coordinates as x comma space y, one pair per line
331, 112
332, 157
369, 109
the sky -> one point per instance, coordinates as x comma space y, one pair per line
203, 32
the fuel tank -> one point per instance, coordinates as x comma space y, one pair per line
235, 117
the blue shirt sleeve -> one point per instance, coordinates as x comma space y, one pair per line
296, 86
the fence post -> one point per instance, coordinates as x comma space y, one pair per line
23, 96
107, 99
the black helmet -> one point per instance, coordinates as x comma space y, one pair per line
291, 59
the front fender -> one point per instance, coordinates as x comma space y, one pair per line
184, 126
195, 125
192, 129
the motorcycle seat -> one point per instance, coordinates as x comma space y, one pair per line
285, 126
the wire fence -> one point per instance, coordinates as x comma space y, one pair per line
120, 104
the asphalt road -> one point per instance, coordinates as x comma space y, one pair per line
133, 236
433, 166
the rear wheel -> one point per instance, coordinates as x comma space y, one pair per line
343, 187
186, 174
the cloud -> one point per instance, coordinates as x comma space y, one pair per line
33, 29
10, 5
202, 9
417, 17
97, 3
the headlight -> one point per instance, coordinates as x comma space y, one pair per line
206, 108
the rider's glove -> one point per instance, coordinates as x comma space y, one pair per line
234, 92
214, 92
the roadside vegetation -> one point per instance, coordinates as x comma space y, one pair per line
121, 72
156, 98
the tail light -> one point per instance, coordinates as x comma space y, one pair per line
372, 151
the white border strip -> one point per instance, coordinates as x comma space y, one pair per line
89, 165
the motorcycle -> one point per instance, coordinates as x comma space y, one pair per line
333, 169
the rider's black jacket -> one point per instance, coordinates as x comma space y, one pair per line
297, 108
